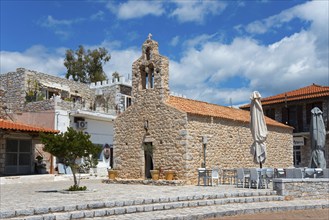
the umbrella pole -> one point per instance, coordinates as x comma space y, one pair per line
260, 165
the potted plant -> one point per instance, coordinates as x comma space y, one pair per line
169, 174
112, 173
156, 173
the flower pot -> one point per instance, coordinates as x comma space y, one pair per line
169, 174
155, 174
112, 174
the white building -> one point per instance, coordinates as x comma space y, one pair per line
52, 102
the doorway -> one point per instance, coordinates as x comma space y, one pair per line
18, 157
148, 156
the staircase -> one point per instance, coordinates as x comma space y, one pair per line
150, 208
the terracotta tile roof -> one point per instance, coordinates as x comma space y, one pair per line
308, 92
9, 125
208, 109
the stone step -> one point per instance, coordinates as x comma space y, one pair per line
117, 208
215, 211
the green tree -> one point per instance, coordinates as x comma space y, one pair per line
86, 66
70, 146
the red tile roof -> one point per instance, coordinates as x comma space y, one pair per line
308, 92
9, 125
208, 109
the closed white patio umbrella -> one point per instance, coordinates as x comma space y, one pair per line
258, 129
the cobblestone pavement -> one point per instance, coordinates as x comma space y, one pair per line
34, 195
25, 196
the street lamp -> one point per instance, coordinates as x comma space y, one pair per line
204, 143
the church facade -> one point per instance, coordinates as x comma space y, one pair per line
161, 131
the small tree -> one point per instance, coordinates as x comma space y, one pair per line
86, 66
70, 146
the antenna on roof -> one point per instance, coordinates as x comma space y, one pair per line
231, 103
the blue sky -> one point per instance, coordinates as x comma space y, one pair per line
219, 51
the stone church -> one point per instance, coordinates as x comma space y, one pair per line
185, 134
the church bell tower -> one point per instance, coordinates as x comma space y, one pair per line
150, 73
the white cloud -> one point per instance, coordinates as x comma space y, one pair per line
199, 40
174, 41
184, 11
52, 22
207, 65
35, 58
40, 59
121, 60
256, 27
289, 63
62, 28
314, 11
98, 16
196, 11
136, 9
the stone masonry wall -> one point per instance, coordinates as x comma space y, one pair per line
178, 142
160, 66
109, 96
306, 151
2, 104
76, 88
14, 85
166, 131
229, 145
317, 188
177, 136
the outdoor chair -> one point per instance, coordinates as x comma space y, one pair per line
269, 176
228, 176
325, 173
318, 172
262, 177
254, 177
279, 173
309, 172
201, 175
215, 176
242, 177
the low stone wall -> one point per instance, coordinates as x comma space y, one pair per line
147, 182
302, 188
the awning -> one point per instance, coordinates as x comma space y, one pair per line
56, 86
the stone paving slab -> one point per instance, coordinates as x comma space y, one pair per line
43, 194
224, 210
43, 197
